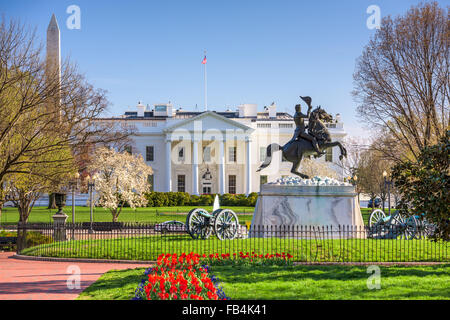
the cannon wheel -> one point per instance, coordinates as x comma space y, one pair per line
226, 224
426, 229
197, 225
408, 227
376, 217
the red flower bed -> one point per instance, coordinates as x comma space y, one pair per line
186, 276
178, 278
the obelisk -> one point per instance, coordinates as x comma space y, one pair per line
53, 61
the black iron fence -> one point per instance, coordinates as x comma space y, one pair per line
310, 244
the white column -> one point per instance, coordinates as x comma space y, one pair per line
221, 167
195, 167
248, 164
169, 165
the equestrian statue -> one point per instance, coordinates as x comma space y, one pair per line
306, 144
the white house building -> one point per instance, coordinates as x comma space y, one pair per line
215, 152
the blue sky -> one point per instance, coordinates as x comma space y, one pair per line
258, 51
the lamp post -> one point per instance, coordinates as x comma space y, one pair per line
388, 183
91, 185
74, 186
355, 181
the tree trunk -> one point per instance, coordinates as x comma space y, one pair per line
21, 235
51, 201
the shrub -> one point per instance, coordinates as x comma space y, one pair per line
162, 199
424, 186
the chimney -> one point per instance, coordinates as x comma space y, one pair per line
272, 110
140, 109
247, 110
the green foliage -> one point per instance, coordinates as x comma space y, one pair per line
37, 238
33, 238
172, 199
424, 186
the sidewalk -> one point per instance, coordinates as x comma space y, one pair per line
44, 280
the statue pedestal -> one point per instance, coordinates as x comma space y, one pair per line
59, 227
309, 209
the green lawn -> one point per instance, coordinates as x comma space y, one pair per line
10, 215
334, 282
150, 215
148, 248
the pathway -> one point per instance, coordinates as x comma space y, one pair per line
44, 280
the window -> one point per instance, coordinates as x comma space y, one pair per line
128, 149
206, 154
149, 153
232, 184
262, 180
181, 183
262, 154
151, 181
180, 153
232, 154
329, 155
206, 190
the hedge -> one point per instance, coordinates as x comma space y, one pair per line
172, 199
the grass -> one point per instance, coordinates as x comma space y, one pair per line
114, 285
149, 247
334, 282
10, 215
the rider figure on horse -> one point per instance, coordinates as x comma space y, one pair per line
300, 130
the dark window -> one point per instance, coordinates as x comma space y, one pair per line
262, 180
180, 153
149, 153
181, 183
232, 184
151, 181
206, 190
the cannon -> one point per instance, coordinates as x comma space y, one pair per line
398, 225
200, 224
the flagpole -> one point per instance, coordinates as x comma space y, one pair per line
206, 88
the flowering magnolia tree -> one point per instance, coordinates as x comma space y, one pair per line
120, 178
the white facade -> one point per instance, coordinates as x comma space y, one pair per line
215, 152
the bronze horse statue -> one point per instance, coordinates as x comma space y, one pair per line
295, 150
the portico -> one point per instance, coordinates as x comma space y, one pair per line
200, 153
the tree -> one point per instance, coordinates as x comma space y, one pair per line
401, 81
370, 173
424, 186
317, 168
120, 178
44, 113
